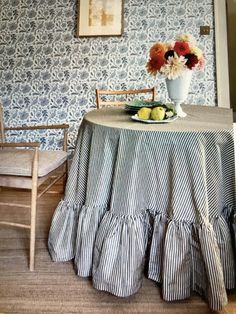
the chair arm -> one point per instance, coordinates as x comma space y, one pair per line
20, 144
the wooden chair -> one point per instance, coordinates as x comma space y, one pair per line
148, 94
30, 168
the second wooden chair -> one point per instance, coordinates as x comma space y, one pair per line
106, 97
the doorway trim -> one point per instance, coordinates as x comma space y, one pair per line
221, 54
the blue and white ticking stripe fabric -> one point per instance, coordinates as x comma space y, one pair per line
164, 199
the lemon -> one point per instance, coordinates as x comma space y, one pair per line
144, 113
158, 113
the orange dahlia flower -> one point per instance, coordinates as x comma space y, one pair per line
154, 65
158, 50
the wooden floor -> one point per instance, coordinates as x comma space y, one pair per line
55, 288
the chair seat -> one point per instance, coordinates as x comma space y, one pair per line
18, 162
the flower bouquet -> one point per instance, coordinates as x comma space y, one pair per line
172, 59
175, 61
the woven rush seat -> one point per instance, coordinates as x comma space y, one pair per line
18, 162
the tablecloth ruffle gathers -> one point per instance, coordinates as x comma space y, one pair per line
182, 256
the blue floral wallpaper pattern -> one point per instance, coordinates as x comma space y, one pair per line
47, 75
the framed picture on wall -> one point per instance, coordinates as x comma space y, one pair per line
100, 18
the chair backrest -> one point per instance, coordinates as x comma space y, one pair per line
2, 134
106, 97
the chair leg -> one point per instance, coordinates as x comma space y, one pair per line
33, 210
33, 228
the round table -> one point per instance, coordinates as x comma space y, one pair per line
159, 195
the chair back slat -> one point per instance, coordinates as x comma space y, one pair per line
148, 94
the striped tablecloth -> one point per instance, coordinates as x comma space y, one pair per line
160, 195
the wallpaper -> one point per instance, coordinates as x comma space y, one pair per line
47, 75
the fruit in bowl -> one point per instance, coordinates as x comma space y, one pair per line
158, 113
169, 114
144, 113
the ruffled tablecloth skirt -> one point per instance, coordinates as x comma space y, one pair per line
160, 199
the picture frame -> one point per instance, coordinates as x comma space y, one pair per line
100, 18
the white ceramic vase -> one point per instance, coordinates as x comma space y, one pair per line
178, 91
